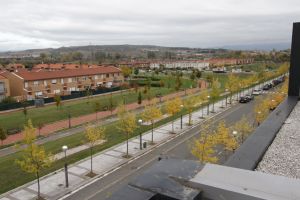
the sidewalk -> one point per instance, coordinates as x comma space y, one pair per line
53, 185
64, 124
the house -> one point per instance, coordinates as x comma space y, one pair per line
36, 84
4, 87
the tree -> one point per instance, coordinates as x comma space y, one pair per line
3, 135
97, 108
136, 71
92, 136
204, 147
57, 100
198, 74
172, 107
243, 128
34, 158
261, 110
231, 85
40, 125
178, 83
127, 123
140, 98
24, 104
150, 114
215, 92
111, 105
225, 137
126, 71
189, 104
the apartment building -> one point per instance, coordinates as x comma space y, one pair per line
188, 64
4, 87
31, 85
62, 66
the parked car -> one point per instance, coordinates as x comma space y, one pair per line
257, 92
267, 86
250, 97
244, 100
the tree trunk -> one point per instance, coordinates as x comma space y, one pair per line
172, 126
152, 133
190, 119
213, 107
38, 182
127, 146
91, 159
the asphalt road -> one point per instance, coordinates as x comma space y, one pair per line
177, 148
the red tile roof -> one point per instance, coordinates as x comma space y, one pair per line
61, 66
2, 77
43, 75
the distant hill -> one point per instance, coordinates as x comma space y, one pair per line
260, 46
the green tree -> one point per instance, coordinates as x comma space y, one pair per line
97, 108
3, 135
136, 71
140, 98
34, 158
93, 135
57, 100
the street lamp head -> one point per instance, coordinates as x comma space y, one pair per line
234, 133
140, 121
65, 148
181, 106
208, 96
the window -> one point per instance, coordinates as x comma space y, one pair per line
53, 81
39, 94
26, 84
62, 81
107, 75
35, 83
45, 83
96, 77
72, 89
83, 78
70, 80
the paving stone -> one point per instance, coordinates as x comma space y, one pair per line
23, 195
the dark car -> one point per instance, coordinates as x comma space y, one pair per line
244, 100
267, 86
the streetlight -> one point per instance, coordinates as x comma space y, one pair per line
234, 133
181, 106
140, 121
65, 148
208, 105
258, 121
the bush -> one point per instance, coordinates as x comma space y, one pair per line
8, 100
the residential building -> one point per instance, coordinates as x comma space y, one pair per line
62, 66
182, 64
4, 87
30, 85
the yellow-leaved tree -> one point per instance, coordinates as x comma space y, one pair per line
204, 147
243, 128
34, 157
127, 123
189, 104
225, 137
215, 92
150, 114
172, 107
231, 85
93, 136
201, 99
261, 110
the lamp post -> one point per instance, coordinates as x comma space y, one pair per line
181, 106
234, 133
140, 121
65, 148
69, 116
208, 105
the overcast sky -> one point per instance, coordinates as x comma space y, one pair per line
27, 24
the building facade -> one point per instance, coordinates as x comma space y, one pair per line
43, 84
189, 64
4, 87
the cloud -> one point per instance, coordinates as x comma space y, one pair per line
41, 23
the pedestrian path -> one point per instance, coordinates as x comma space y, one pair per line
53, 185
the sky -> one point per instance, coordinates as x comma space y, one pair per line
31, 24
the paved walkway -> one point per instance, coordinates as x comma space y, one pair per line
52, 185
64, 124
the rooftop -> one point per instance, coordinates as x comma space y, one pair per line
43, 75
